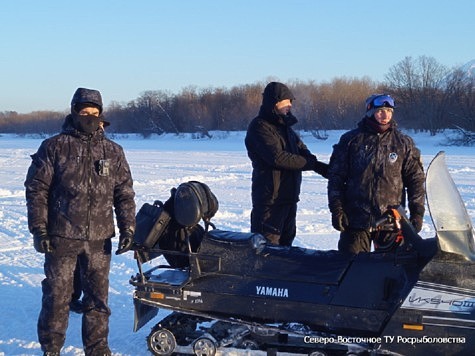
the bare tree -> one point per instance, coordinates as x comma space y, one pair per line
418, 85
461, 100
156, 117
427, 97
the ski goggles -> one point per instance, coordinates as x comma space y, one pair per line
383, 100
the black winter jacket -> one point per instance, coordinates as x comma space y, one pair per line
370, 172
73, 184
277, 153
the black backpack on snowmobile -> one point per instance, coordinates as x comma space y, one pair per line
172, 228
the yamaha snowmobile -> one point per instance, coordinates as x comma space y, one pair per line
231, 290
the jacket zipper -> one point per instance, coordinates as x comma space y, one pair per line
89, 183
374, 182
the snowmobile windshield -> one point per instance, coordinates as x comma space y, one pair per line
447, 209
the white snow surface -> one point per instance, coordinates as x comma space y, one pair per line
159, 164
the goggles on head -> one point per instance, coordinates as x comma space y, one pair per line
380, 100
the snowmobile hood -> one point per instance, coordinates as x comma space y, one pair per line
452, 223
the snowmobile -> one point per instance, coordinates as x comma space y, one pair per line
233, 291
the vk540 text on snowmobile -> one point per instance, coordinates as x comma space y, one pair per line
225, 289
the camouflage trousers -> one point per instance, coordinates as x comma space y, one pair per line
94, 259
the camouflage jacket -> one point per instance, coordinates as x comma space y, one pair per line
73, 184
370, 172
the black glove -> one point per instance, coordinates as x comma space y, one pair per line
126, 241
339, 220
42, 242
417, 215
416, 221
310, 164
321, 168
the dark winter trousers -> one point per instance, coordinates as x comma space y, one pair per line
355, 241
77, 285
94, 258
275, 222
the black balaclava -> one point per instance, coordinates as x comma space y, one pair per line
376, 126
86, 123
82, 98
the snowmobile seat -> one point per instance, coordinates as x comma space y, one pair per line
296, 263
227, 252
236, 238
248, 254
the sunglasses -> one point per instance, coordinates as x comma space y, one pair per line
383, 100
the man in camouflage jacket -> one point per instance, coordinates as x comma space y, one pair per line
372, 168
75, 180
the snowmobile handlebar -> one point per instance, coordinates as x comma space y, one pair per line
389, 221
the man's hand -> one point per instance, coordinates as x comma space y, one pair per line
416, 221
417, 216
126, 241
321, 168
42, 242
339, 220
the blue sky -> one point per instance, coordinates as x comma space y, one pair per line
125, 47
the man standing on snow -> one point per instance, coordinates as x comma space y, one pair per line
372, 168
278, 158
74, 182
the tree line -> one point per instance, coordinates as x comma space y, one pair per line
429, 97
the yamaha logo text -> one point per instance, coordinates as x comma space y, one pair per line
272, 291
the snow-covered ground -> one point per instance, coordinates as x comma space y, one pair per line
158, 164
